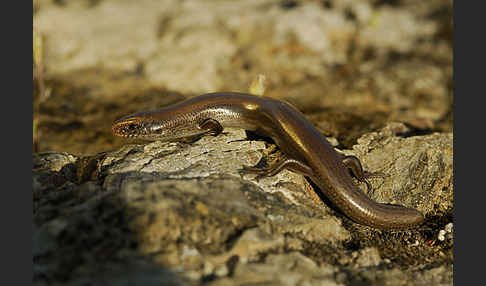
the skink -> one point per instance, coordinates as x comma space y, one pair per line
305, 149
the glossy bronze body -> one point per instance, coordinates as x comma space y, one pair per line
307, 151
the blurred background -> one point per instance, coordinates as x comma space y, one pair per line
350, 66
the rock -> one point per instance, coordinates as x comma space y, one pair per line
181, 212
419, 176
282, 269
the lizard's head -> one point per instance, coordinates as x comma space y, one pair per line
133, 126
153, 126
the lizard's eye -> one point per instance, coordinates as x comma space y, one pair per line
130, 127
